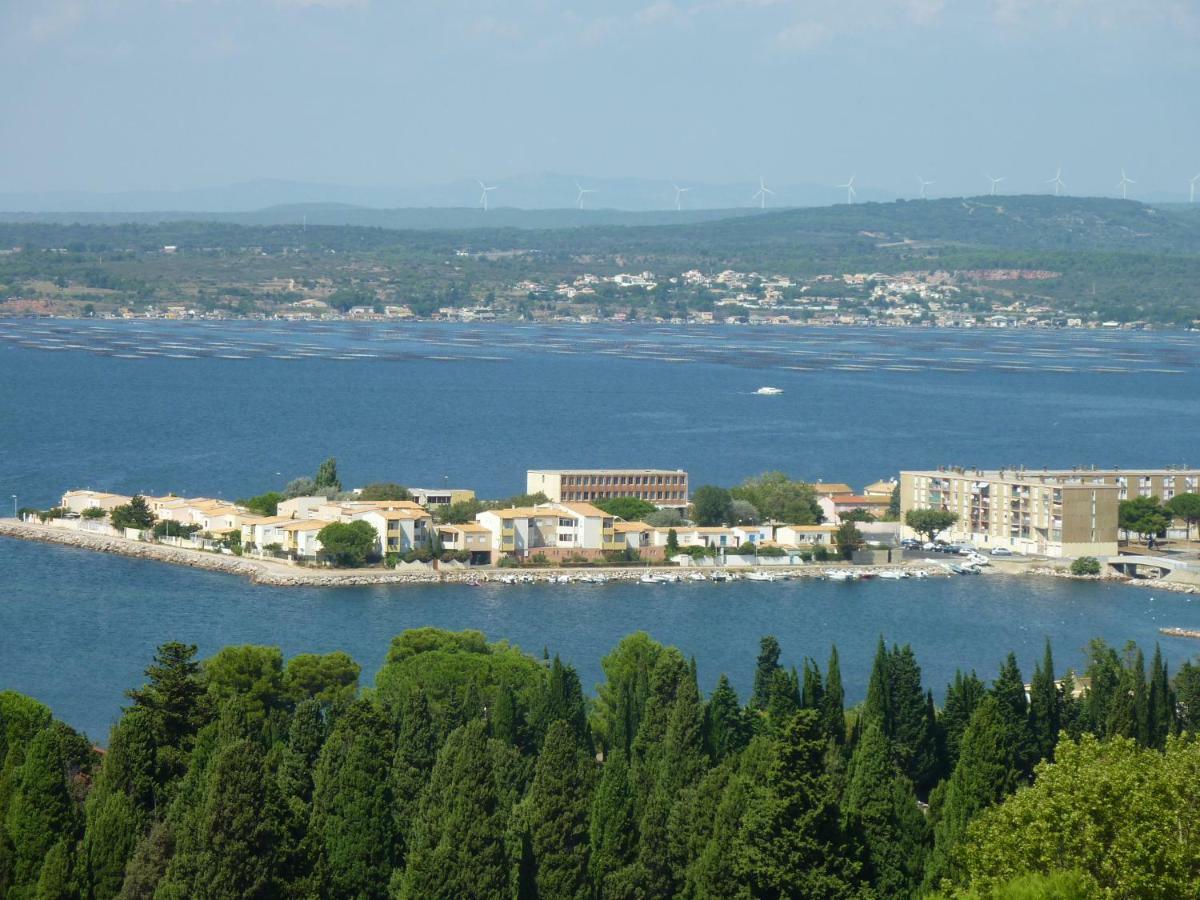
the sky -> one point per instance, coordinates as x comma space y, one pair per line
123, 95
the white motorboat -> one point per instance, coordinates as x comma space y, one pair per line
651, 578
768, 391
893, 574
761, 576
697, 576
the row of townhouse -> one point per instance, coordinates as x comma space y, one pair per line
555, 530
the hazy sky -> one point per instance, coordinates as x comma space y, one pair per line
168, 94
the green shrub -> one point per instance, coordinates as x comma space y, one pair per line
1085, 565
93, 512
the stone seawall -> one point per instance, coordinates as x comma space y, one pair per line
271, 572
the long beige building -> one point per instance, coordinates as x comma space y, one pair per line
1055, 512
662, 487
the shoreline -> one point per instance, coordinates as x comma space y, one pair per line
274, 573
279, 574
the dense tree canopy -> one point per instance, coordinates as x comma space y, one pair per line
475, 769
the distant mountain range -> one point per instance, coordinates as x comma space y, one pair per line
529, 192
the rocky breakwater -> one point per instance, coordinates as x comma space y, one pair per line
259, 571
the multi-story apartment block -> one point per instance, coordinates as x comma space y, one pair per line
1054, 512
554, 529
662, 487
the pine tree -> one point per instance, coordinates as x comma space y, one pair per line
881, 807
458, 847
1045, 706
784, 698
559, 801
790, 843
764, 672
174, 696
987, 770
351, 825
612, 831
833, 713
40, 810
726, 729
962, 697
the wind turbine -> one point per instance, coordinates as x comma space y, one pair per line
850, 193
1056, 181
582, 191
924, 184
994, 181
486, 189
679, 192
761, 194
1192, 188
1124, 184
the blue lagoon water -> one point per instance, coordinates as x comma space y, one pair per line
233, 409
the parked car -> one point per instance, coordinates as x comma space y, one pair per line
1002, 551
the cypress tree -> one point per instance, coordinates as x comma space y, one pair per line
351, 826
987, 770
878, 705
502, 717
790, 843
764, 672
416, 752
109, 838
962, 697
812, 691
833, 713
1161, 703
563, 699
40, 810
612, 831
911, 733
1104, 692
726, 730
131, 765
239, 832
881, 807
559, 801
55, 880
784, 698
1141, 700
1009, 691
458, 848
1045, 706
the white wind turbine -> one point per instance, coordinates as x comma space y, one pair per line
761, 194
1057, 181
924, 184
486, 189
1192, 188
1124, 184
850, 192
994, 181
679, 192
582, 192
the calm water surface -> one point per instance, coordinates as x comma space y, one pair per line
233, 409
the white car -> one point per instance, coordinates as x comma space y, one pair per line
1001, 551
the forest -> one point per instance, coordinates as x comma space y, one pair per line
474, 769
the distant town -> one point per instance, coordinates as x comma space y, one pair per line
929, 299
